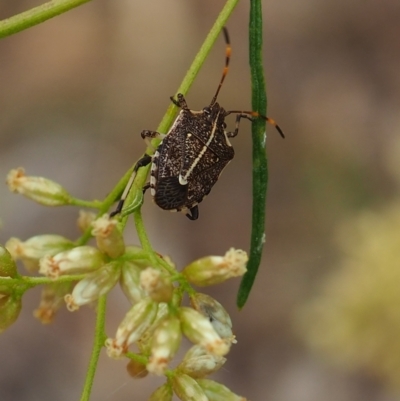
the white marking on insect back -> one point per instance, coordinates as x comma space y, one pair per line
198, 158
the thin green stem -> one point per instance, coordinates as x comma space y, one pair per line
260, 165
36, 15
83, 203
141, 231
30, 281
99, 339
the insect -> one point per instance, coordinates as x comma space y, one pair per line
192, 155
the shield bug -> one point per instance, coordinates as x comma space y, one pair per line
192, 155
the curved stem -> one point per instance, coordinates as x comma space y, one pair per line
36, 15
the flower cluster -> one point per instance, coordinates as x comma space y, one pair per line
80, 274
354, 322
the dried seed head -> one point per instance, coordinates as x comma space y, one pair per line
136, 369
199, 363
135, 323
52, 298
163, 393
10, 307
216, 269
39, 189
108, 236
156, 284
31, 250
187, 389
82, 259
166, 340
218, 392
215, 312
200, 331
93, 286
8, 268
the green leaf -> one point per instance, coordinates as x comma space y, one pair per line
260, 166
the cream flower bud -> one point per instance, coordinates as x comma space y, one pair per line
156, 284
216, 313
134, 324
39, 189
199, 363
10, 307
31, 250
8, 268
52, 298
218, 392
216, 269
187, 389
85, 220
199, 330
108, 236
130, 282
82, 259
136, 369
145, 341
165, 343
163, 393
93, 286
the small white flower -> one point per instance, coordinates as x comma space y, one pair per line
166, 340
108, 236
187, 389
93, 286
218, 392
216, 269
200, 331
199, 363
82, 259
34, 248
135, 323
39, 189
216, 313
156, 284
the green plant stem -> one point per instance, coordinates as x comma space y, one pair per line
26, 282
141, 231
99, 339
92, 204
36, 15
260, 165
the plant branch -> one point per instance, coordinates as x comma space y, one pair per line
36, 15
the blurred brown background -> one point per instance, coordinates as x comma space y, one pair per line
77, 91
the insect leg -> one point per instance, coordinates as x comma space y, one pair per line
144, 161
149, 135
181, 102
194, 213
238, 118
250, 115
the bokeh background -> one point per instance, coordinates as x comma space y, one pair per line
323, 321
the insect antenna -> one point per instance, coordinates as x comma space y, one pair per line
228, 51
